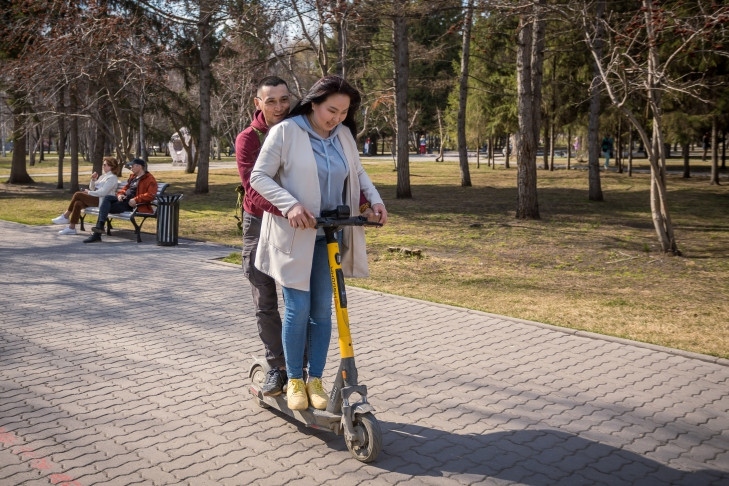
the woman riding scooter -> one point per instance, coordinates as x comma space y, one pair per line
310, 163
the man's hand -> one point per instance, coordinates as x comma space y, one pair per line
300, 217
133, 203
120, 197
380, 215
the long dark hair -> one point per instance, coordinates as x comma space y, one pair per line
322, 89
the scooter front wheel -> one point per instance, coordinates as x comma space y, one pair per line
367, 427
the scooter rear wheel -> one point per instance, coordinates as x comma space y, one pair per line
367, 425
257, 378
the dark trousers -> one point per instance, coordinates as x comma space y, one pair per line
110, 204
265, 297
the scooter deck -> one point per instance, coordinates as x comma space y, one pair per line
312, 417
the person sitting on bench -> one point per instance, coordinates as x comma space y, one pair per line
98, 188
139, 192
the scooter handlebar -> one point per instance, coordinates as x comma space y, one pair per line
334, 222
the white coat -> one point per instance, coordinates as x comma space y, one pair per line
103, 186
286, 174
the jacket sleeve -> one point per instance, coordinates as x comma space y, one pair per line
146, 192
107, 186
247, 147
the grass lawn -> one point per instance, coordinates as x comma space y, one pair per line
594, 266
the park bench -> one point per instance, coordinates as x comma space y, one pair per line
131, 216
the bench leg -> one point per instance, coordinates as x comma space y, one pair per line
108, 226
81, 221
137, 228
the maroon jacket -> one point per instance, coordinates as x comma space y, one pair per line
247, 147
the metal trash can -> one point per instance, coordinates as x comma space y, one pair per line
168, 219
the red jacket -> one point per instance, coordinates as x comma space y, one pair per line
146, 192
247, 147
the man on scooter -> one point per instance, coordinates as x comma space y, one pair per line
272, 103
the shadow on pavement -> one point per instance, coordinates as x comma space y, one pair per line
533, 457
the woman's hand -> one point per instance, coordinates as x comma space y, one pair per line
300, 217
380, 215
94, 176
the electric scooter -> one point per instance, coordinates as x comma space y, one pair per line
343, 415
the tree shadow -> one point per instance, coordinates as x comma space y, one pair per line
537, 457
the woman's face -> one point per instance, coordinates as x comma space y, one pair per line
329, 113
106, 167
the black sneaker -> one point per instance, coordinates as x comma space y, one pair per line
274, 383
93, 238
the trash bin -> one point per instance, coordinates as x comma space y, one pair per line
168, 218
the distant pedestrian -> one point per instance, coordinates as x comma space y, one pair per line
423, 144
706, 142
607, 149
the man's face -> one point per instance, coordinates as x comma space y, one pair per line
136, 169
274, 102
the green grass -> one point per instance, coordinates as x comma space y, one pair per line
586, 265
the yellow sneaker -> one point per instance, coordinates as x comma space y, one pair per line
317, 396
295, 395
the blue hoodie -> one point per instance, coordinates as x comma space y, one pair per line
331, 164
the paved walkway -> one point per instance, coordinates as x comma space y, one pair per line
125, 363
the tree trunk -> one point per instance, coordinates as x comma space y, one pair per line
529, 60
657, 157
714, 179
97, 155
73, 108
441, 131
402, 72
594, 192
686, 168
509, 147
463, 98
547, 146
619, 146
206, 48
18, 169
569, 147
61, 146
630, 153
142, 152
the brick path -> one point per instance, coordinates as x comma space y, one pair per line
97, 389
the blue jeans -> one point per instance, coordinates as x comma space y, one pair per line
308, 318
110, 204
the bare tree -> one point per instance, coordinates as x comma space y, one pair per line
529, 62
463, 96
639, 61
594, 192
401, 74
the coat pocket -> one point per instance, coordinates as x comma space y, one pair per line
280, 234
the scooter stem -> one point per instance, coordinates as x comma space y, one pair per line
347, 373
